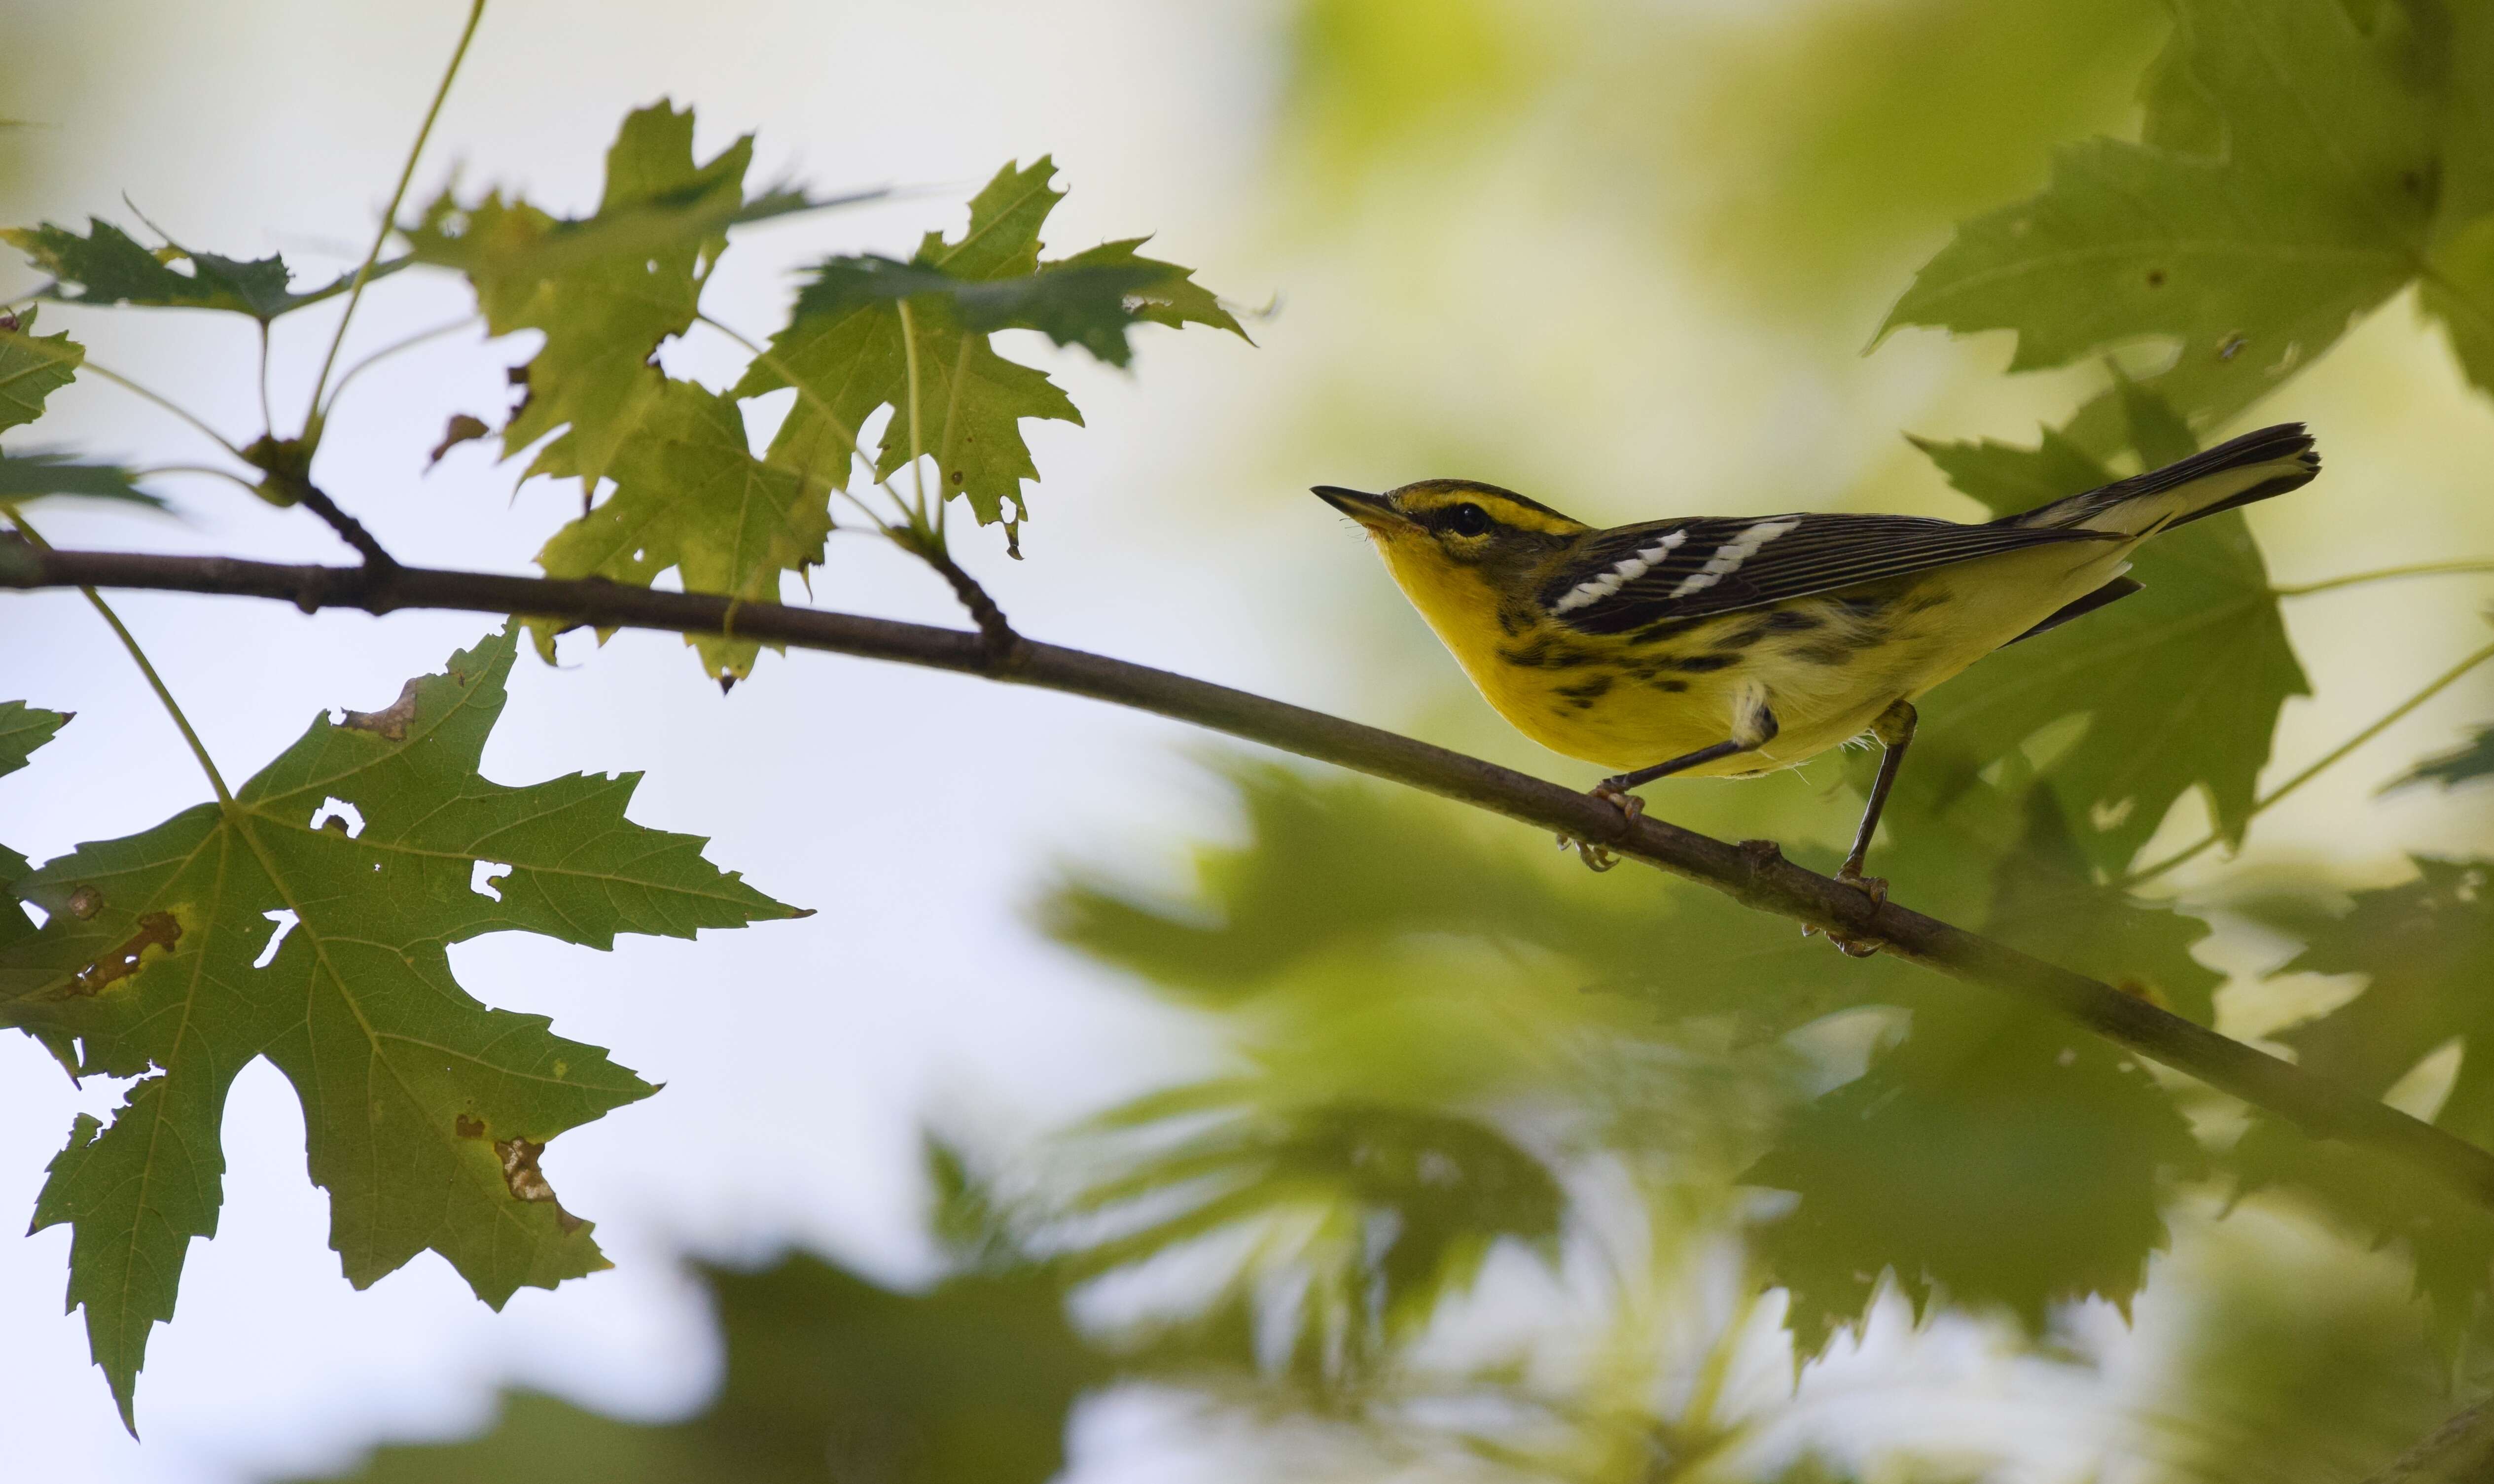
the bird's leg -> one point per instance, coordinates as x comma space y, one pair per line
1895, 729
1755, 728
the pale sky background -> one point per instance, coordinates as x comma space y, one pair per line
917, 812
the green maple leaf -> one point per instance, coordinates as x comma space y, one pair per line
1092, 299
2034, 1154
32, 368
22, 729
2422, 946
828, 1377
1394, 1209
108, 266
1996, 1157
2285, 188
425, 1109
29, 477
847, 347
605, 292
2180, 683
2421, 943
2049, 904
2461, 764
2458, 280
690, 495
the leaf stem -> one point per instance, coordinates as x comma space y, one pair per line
917, 445
389, 220
82, 363
2437, 686
267, 418
1708, 1392
226, 474
952, 426
2382, 574
155, 682
385, 353
807, 394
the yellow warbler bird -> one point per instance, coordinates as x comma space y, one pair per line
1736, 646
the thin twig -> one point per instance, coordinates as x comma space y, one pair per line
917, 444
385, 353
389, 220
267, 417
1005, 649
349, 529
772, 363
2437, 686
227, 474
40, 347
155, 682
2460, 1451
2384, 574
1755, 874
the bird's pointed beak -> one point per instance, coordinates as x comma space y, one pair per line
1374, 511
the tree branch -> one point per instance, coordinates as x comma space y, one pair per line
349, 529
2460, 1451
1755, 874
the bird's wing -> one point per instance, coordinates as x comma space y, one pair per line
1635, 575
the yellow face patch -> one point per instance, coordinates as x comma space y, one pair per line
1431, 502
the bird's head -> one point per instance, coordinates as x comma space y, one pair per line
1449, 539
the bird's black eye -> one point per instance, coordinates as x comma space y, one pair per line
1469, 521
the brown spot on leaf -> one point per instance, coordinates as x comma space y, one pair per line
156, 930
463, 428
86, 902
2156, 278
468, 1128
390, 721
529, 1183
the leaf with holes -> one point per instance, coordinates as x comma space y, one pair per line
110, 266
270, 926
863, 326
605, 292
22, 729
2286, 185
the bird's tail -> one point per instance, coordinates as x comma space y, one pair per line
2234, 474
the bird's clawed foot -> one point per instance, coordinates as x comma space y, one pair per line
1874, 886
1599, 858
1621, 799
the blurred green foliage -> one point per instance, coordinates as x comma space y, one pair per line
2179, 684
830, 1379
1550, 1175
